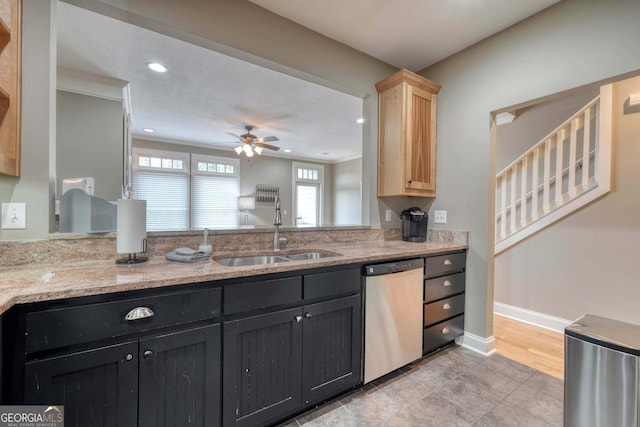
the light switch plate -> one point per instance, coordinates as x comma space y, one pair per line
439, 217
14, 215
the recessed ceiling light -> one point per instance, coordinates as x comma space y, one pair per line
157, 67
287, 150
149, 130
360, 120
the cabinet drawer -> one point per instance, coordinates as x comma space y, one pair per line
443, 309
442, 333
444, 264
442, 287
261, 295
331, 283
61, 327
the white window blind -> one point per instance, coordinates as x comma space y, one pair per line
215, 188
167, 196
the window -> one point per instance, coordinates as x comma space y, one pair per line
215, 187
162, 179
184, 190
308, 182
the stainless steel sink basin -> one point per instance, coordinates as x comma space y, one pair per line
309, 255
251, 260
271, 259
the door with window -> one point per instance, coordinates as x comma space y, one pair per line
308, 186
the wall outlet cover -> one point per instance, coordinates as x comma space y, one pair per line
439, 217
14, 215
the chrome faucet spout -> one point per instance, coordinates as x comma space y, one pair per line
277, 222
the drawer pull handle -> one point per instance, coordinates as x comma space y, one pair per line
445, 331
139, 313
446, 306
298, 319
447, 262
447, 283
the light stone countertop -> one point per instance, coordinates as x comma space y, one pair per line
45, 282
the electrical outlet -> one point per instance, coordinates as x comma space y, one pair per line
387, 216
439, 217
14, 215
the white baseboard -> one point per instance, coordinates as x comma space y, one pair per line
534, 318
484, 346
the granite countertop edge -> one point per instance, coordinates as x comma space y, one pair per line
47, 282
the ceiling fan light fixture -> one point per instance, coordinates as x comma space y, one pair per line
238, 149
258, 150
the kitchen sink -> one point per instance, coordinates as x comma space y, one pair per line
271, 259
251, 260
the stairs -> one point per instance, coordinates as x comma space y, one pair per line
566, 170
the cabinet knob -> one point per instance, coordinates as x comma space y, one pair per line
139, 313
147, 354
446, 283
445, 331
308, 315
447, 262
446, 306
298, 319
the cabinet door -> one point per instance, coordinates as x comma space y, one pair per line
332, 342
420, 158
98, 388
262, 368
180, 378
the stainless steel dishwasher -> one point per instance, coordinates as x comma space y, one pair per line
393, 316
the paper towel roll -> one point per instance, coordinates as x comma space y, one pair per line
131, 226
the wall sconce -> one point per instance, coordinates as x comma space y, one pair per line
246, 204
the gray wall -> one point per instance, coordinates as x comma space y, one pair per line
347, 199
89, 142
573, 43
535, 122
586, 262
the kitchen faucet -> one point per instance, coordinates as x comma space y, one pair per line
277, 222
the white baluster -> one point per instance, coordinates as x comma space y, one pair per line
534, 184
586, 149
512, 211
573, 143
546, 176
559, 160
523, 191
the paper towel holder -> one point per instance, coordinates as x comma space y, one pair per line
134, 258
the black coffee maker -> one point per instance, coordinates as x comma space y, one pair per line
414, 225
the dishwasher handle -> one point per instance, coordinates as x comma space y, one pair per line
393, 267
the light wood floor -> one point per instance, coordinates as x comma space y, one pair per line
539, 348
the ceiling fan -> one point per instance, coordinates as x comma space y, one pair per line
252, 144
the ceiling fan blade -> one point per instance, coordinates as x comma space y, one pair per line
241, 139
267, 146
267, 139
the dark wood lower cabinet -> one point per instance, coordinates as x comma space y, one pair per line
277, 363
166, 380
97, 387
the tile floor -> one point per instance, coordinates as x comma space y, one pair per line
455, 387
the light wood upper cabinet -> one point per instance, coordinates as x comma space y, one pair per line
407, 135
10, 77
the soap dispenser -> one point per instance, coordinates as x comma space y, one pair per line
206, 246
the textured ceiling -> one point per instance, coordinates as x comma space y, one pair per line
205, 94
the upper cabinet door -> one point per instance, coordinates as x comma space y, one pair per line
420, 158
407, 135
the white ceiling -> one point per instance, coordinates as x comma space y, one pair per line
410, 34
206, 94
